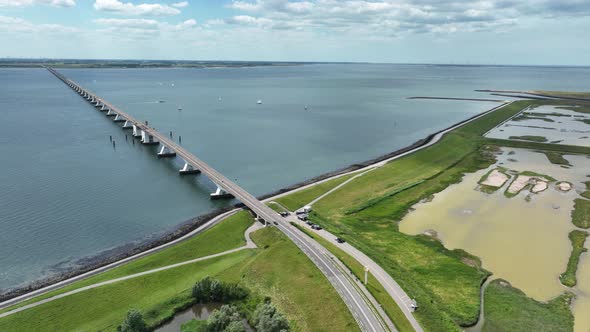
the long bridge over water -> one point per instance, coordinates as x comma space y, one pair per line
358, 304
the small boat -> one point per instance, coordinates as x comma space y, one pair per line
306, 107
161, 101
259, 102
180, 108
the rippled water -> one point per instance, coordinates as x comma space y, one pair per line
65, 193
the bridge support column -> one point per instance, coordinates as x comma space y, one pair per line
98, 104
111, 113
119, 118
104, 108
165, 152
220, 193
188, 169
127, 125
136, 131
147, 139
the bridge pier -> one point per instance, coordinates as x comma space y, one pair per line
220, 193
104, 108
127, 125
165, 152
119, 118
136, 131
148, 139
111, 113
98, 104
188, 169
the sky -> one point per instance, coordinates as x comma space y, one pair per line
534, 32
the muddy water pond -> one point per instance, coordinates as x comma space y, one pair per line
582, 302
523, 239
198, 312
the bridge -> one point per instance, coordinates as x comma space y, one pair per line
363, 312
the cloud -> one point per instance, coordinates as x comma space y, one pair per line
394, 17
19, 25
128, 8
180, 4
23, 3
129, 23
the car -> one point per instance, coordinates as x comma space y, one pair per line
316, 227
339, 240
302, 217
276, 223
284, 213
309, 223
298, 212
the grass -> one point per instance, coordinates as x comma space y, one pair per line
581, 213
556, 158
192, 325
226, 235
300, 198
586, 193
577, 238
275, 207
532, 138
280, 271
509, 309
525, 117
375, 288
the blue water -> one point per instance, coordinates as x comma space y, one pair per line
66, 193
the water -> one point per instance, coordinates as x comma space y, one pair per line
524, 242
66, 193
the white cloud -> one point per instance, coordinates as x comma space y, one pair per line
129, 23
128, 8
17, 24
23, 3
180, 4
186, 25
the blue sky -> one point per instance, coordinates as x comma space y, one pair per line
536, 32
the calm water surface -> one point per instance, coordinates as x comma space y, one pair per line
65, 193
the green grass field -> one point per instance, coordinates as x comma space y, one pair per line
299, 199
577, 238
280, 271
586, 193
556, 158
509, 309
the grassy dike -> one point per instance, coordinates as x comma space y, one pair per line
446, 283
577, 238
278, 270
509, 309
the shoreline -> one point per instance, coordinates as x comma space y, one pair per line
103, 261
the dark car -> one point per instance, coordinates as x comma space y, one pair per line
316, 227
339, 240
309, 223
276, 223
302, 217
284, 213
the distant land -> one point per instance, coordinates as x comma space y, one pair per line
97, 63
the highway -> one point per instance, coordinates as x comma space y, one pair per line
367, 319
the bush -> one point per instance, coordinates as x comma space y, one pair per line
226, 319
133, 322
268, 319
210, 290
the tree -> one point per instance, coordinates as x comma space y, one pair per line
268, 319
133, 322
221, 319
235, 326
209, 290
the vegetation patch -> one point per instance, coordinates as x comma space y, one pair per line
577, 238
531, 138
586, 121
581, 213
281, 272
302, 197
586, 193
556, 158
509, 309
525, 117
